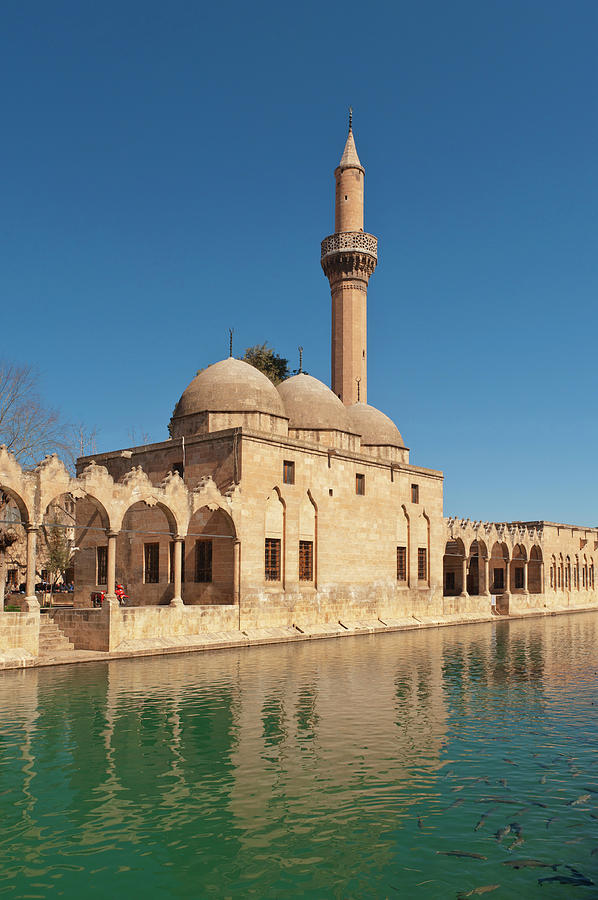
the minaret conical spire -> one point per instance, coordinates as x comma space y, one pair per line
350, 159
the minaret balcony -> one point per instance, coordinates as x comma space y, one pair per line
345, 241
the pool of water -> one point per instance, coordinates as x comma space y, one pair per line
348, 768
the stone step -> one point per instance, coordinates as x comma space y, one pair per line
59, 643
52, 639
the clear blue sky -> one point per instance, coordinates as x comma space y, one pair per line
167, 172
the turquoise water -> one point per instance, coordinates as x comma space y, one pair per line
342, 768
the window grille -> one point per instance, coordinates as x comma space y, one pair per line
272, 561
203, 561
519, 578
415, 493
306, 561
422, 564
499, 579
288, 471
449, 581
101, 565
360, 484
152, 563
401, 563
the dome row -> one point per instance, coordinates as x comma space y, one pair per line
234, 386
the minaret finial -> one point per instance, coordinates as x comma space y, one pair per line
230, 341
300, 360
358, 380
350, 118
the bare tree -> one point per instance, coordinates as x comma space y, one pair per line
30, 429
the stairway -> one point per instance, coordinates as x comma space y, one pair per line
52, 641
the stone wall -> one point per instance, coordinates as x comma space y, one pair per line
19, 636
86, 629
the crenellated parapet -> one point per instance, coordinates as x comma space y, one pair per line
511, 534
33, 492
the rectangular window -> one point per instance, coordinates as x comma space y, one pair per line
272, 561
519, 578
360, 484
306, 561
288, 472
422, 564
499, 579
203, 561
415, 493
449, 581
101, 565
401, 563
171, 562
151, 554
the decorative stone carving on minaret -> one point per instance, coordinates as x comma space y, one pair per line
349, 256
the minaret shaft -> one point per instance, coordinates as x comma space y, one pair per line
349, 257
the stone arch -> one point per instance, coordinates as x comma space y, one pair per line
275, 537
208, 575
518, 565
146, 529
478, 554
499, 565
404, 532
308, 517
534, 575
18, 500
453, 568
584, 573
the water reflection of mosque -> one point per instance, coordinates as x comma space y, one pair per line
273, 722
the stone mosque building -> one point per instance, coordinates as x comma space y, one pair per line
292, 507
301, 504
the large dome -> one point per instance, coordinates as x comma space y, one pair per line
230, 385
375, 428
311, 405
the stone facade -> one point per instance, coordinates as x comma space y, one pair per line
293, 508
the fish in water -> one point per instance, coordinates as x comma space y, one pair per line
475, 892
419, 822
502, 832
543, 779
500, 800
523, 809
537, 803
529, 864
456, 803
567, 879
502, 781
583, 798
480, 824
510, 761
458, 788
462, 854
550, 821
519, 840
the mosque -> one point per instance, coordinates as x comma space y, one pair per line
298, 504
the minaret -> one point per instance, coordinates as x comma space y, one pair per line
349, 257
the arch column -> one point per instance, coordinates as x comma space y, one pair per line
507, 589
525, 565
31, 559
237, 571
111, 566
464, 578
486, 592
177, 599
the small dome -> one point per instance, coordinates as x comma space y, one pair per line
311, 405
375, 428
230, 385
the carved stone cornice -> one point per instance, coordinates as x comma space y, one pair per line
349, 255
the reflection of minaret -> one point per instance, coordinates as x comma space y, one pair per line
349, 257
